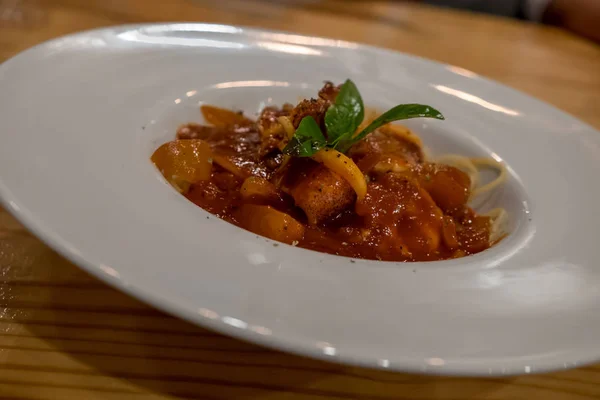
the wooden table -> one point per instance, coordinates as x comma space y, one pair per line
66, 335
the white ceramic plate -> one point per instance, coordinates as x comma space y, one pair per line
81, 115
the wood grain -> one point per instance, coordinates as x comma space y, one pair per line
66, 335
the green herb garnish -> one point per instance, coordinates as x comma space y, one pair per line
307, 140
343, 118
345, 115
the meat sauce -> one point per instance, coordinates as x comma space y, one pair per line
413, 210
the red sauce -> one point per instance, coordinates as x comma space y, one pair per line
415, 212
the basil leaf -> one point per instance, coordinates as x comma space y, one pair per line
402, 111
346, 114
307, 140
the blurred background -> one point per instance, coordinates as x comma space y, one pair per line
579, 16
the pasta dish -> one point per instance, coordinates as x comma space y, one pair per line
331, 176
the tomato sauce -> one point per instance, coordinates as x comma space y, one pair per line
413, 210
